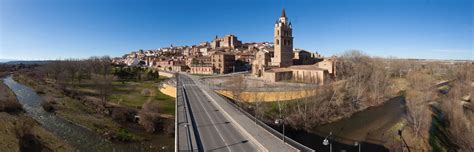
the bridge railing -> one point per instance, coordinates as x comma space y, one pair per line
276, 133
176, 135
190, 124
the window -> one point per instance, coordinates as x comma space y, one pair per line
277, 42
278, 32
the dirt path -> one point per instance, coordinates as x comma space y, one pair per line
151, 95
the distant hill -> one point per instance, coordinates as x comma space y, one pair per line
26, 62
5, 60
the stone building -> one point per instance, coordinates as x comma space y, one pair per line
284, 64
179, 68
204, 51
228, 41
244, 57
329, 64
261, 61
298, 73
223, 62
201, 69
310, 74
303, 57
165, 64
201, 60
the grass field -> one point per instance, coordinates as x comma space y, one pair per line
133, 94
79, 114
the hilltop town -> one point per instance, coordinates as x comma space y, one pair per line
271, 61
239, 96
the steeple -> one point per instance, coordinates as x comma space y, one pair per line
283, 14
283, 42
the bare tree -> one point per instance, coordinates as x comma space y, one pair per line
71, 68
150, 119
238, 86
104, 85
418, 95
460, 119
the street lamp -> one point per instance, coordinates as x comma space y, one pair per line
357, 144
327, 142
278, 122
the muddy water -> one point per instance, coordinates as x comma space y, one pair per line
374, 123
370, 128
79, 137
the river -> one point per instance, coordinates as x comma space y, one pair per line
80, 138
370, 128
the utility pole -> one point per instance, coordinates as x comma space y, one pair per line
281, 121
330, 142
357, 144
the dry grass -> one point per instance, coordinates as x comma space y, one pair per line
78, 113
72, 109
10, 142
8, 101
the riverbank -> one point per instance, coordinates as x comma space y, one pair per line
313, 114
79, 109
70, 109
333, 102
14, 131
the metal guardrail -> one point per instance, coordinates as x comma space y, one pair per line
288, 140
193, 125
186, 115
190, 124
176, 135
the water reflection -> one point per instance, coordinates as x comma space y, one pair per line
369, 128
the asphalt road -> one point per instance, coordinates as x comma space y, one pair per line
215, 132
185, 136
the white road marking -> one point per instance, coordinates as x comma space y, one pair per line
212, 121
242, 130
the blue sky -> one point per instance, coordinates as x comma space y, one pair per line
59, 29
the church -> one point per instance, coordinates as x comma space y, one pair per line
287, 64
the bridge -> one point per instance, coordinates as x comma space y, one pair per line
205, 121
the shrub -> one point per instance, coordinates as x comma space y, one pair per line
23, 126
124, 135
150, 119
10, 106
23, 129
169, 126
123, 114
48, 106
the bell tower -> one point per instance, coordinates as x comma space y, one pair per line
283, 42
